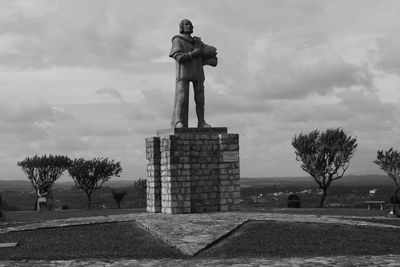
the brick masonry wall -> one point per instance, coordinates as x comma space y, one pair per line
229, 173
153, 179
199, 171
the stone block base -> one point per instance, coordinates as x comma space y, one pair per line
193, 170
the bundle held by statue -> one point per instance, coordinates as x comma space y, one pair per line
209, 55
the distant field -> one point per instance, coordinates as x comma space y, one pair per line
346, 180
66, 195
349, 179
350, 191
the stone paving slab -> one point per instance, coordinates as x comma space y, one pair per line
189, 233
69, 222
384, 260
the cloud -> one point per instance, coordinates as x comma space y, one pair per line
388, 54
303, 113
64, 35
274, 69
353, 109
29, 121
284, 67
223, 104
369, 113
157, 103
90, 130
110, 92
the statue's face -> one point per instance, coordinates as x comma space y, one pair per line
187, 27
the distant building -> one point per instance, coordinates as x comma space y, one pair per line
373, 191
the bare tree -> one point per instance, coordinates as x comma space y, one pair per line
389, 161
43, 172
325, 156
90, 175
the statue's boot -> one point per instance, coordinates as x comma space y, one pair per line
200, 117
179, 124
203, 124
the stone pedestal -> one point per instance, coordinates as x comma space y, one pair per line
153, 180
193, 170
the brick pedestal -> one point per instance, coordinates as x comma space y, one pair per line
153, 180
193, 170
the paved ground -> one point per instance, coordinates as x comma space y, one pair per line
193, 232
387, 260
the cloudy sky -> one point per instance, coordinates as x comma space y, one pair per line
93, 78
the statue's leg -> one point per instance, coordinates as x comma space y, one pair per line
199, 99
181, 105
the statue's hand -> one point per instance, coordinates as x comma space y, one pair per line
196, 52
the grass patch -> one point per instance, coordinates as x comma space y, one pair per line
112, 240
289, 239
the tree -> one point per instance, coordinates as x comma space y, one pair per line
90, 175
118, 196
389, 161
140, 188
324, 155
43, 172
1, 210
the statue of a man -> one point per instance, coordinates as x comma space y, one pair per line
190, 54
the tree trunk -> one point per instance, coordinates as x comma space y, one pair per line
396, 194
36, 206
89, 196
49, 199
1, 209
119, 204
142, 200
324, 193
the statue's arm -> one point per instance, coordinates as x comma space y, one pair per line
177, 52
198, 42
182, 57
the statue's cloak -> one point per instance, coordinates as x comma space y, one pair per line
186, 66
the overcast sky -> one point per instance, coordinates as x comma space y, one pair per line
93, 78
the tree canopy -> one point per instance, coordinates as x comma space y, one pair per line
389, 161
90, 175
324, 155
43, 171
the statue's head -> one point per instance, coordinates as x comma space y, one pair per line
186, 26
